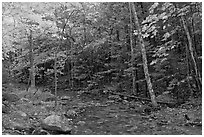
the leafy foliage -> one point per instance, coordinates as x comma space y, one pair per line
92, 41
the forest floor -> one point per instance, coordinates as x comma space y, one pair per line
91, 114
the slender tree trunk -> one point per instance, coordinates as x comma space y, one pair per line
69, 63
117, 35
84, 30
72, 66
144, 58
192, 32
32, 67
197, 73
132, 52
188, 73
55, 76
136, 78
194, 40
111, 52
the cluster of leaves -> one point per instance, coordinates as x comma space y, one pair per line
92, 41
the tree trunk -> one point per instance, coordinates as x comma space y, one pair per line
194, 40
198, 76
32, 67
68, 61
132, 52
144, 58
136, 78
55, 75
188, 72
72, 67
84, 31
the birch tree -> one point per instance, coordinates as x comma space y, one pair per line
144, 57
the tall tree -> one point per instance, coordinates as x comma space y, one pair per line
132, 51
144, 57
197, 73
32, 67
61, 25
55, 76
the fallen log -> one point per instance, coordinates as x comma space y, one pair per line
169, 104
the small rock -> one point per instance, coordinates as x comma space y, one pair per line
22, 114
110, 101
81, 123
65, 98
50, 99
25, 100
88, 131
132, 129
114, 97
71, 113
165, 98
40, 131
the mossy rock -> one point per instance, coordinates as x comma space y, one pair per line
10, 97
165, 98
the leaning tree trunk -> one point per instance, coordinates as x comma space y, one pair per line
132, 52
197, 73
144, 58
32, 67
